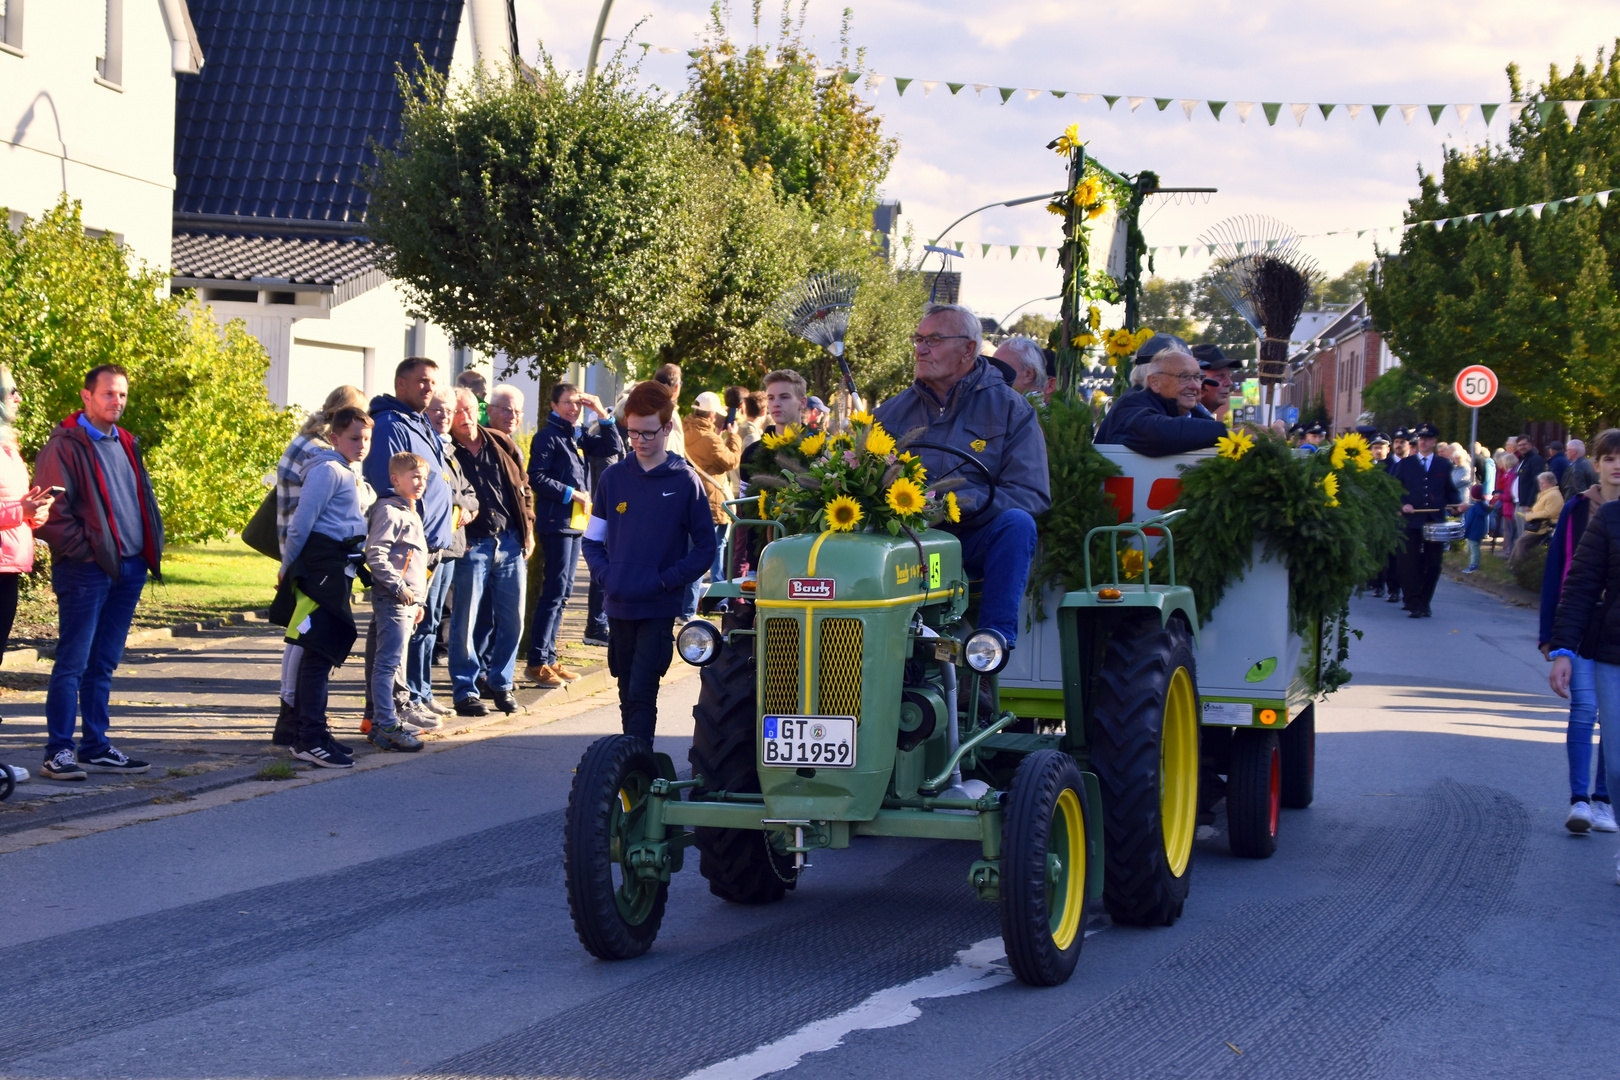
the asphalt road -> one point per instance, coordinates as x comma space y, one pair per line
1428, 916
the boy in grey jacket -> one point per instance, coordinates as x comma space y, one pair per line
396, 555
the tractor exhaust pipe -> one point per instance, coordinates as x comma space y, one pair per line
953, 730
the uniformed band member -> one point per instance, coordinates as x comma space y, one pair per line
1400, 444
1312, 435
1430, 493
1392, 568
1385, 579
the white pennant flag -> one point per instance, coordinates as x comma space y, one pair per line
1244, 108
874, 81
1514, 108
1462, 113
1439, 226
665, 49
1572, 109
771, 65
1473, 217
928, 86
1603, 198
1188, 105
1135, 101
1085, 97
1031, 95
1354, 110
1536, 208
980, 87
1408, 111
1299, 113
822, 73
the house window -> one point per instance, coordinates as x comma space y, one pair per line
110, 61
11, 26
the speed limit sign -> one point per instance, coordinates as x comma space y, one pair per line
1475, 386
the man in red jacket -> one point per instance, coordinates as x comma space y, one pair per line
105, 533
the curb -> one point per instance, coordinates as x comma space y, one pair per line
15, 658
1513, 594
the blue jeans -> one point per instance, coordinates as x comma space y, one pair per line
1008, 544
1606, 680
419, 651
717, 573
493, 572
562, 559
93, 617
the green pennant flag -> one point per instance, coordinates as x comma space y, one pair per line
1161, 102
959, 245
1327, 110
1006, 92
1215, 107
1012, 251
953, 87
1378, 113
1488, 112
1488, 216
1272, 108
1059, 94
1040, 253
1270, 244
1544, 109
1183, 251
1600, 106
797, 69
1211, 248
1587, 200
901, 84
849, 77
1359, 233
1552, 208
1434, 114
984, 251
1111, 98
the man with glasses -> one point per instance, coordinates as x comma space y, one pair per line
649, 536
1161, 415
963, 402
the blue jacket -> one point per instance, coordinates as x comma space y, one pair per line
1152, 425
649, 537
400, 429
1476, 520
558, 468
1561, 547
328, 503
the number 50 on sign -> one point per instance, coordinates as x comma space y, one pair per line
1475, 386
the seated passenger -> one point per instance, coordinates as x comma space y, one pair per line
963, 402
1216, 395
1161, 415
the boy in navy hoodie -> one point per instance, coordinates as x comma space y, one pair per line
649, 537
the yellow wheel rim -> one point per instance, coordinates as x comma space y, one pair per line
1178, 771
1065, 890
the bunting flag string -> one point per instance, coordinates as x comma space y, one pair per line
1573, 111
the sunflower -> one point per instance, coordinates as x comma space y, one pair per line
1096, 210
1087, 192
762, 506
1093, 317
860, 418
1084, 341
1130, 562
1069, 141
812, 444
1056, 208
843, 514
904, 497
1330, 484
774, 441
1234, 445
952, 510
879, 442
1352, 447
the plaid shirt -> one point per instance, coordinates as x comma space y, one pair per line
290, 481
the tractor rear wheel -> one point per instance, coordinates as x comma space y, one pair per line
1043, 869
1253, 793
1144, 750
739, 864
616, 914
1298, 742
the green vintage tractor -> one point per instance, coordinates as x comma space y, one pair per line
849, 694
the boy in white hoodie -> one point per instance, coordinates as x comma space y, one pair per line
396, 555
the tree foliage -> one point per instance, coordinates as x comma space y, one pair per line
1167, 306
1532, 298
69, 302
1035, 326
1195, 312
551, 218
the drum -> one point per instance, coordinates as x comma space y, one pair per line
1442, 532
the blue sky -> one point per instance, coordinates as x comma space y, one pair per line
960, 152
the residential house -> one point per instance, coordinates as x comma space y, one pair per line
87, 93
1341, 354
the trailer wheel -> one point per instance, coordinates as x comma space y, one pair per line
1043, 869
1254, 793
616, 915
739, 864
1298, 742
1144, 750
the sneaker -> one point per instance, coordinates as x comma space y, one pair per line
542, 676
1470, 569
419, 715
432, 705
505, 702
563, 673
18, 773
112, 760
1603, 818
1580, 817
394, 738
599, 642
326, 756
471, 707
62, 766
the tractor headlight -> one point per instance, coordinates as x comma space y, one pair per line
985, 651
698, 642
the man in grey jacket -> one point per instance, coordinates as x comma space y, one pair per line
963, 402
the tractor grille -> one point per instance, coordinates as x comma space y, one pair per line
782, 660
838, 676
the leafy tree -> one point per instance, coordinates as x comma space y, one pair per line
1532, 298
1035, 326
197, 397
1347, 288
553, 218
1401, 397
1167, 306
1218, 323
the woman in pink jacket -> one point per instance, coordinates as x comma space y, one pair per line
22, 508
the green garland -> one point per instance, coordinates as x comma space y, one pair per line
1079, 504
1331, 517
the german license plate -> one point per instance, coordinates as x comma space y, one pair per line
1233, 713
818, 742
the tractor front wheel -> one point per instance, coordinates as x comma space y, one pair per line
1144, 750
1043, 869
1254, 793
1298, 744
616, 914
739, 864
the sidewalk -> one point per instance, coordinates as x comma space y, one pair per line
200, 705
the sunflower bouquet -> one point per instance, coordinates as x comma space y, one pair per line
862, 479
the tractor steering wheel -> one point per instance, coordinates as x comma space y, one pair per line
973, 464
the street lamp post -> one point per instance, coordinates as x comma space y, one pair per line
596, 39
